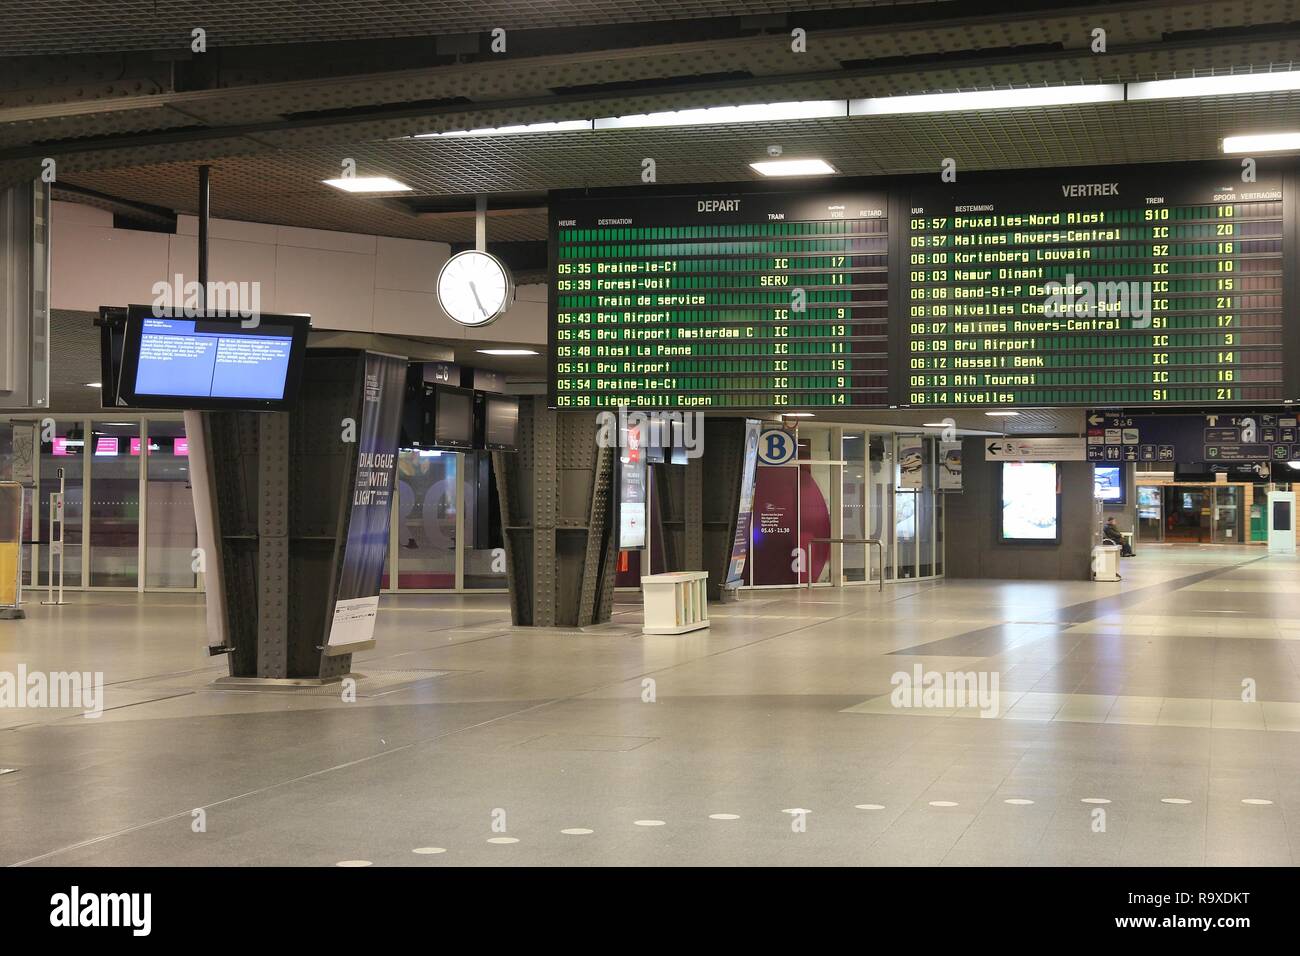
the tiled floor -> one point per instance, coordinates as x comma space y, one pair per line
1130, 693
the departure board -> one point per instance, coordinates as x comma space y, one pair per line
725, 300
1095, 287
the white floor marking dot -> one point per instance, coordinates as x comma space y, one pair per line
942, 803
1019, 802
1257, 802
724, 816
1178, 800
429, 850
648, 823
1094, 800
503, 840
353, 863
577, 831
869, 806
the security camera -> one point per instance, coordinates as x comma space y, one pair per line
774, 150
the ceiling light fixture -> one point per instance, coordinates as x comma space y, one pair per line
94, 385
367, 184
793, 167
719, 115
1261, 142
798, 414
506, 351
560, 126
1001, 414
1224, 85
975, 100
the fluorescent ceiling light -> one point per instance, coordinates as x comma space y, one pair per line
506, 351
988, 99
1261, 142
94, 385
798, 414
1001, 414
793, 167
367, 184
560, 126
713, 115
1224, 85
935, 424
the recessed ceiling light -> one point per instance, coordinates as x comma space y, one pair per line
935, 424
1261, 142
798, 414
1225, 85
367, 184
94, 385
793, 167
1001, 414
506, 351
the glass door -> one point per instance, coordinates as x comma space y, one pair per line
1227, 514
1150, 514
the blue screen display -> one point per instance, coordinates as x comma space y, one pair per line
178, 358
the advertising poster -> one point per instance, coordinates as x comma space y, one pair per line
356, 602
1030, 501
11, 536
790, 510
744, 517
911, 463
950, 466
631, 491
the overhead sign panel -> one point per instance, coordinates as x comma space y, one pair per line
1227, 436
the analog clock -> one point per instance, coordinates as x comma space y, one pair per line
475, 288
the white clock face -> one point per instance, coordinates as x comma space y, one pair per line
474, 288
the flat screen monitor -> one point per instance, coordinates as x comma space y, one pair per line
1030, 501
170, 360
1108, 484
453, 417
500, 423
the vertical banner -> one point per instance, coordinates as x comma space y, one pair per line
950, 466
632, 490
911, 459
361, 567
740, 544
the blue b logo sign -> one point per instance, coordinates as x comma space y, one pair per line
776, 447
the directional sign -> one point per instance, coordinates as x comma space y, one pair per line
1189, 439
1033, 449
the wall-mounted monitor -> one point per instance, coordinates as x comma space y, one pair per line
1108, 484
500, 423
453, 417
170, 360
1031, 501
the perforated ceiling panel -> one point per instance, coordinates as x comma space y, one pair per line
61, 26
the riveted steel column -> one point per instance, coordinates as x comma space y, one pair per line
273, 545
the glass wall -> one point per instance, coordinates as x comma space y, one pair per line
425, 524
64, 449
115, 454
170, 534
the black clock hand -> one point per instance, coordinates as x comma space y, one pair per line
474, 289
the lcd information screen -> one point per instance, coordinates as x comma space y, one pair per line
1108, 483
725, 300
173, 361
1095, 287
1030, 503
187, 357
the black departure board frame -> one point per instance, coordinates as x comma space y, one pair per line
1102, 366
1212, 247
705, 317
